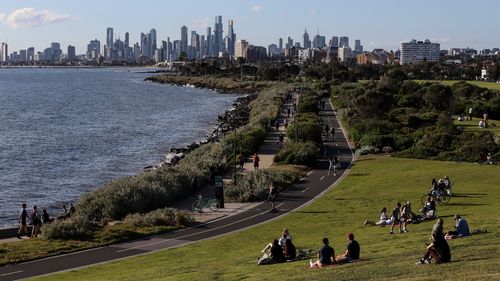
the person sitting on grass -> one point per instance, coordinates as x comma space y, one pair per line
395, 218
285, 235
326, 255
352, 252
462, 229
290, 250
429, 209
277, 252
438, 250
382, 221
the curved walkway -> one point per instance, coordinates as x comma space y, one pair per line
301, 194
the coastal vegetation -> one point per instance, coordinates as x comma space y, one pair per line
373, 182
415, 119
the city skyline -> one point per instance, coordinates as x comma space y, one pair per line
37, 23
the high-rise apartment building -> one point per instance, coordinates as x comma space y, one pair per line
344, 53
418, 51
30, 54
334, 42
4, 53
94, 49
152, 43
357, 46
109, 42
280, 44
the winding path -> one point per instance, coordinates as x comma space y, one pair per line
301, 194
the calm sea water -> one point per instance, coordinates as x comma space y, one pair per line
64, 132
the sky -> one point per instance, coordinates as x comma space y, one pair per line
377, 23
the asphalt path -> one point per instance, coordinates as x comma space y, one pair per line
301, 194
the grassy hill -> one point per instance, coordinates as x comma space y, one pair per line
373, 183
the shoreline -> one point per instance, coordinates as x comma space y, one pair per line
226, 122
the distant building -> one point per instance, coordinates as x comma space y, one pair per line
344, 41
306, 42
241, 49
71, 53
273, 50
344, 53
418, 51
4, 52
357, 46
256, 54
334, 42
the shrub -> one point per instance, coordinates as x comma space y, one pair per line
157, 217
250, 187
298, 153
68, 229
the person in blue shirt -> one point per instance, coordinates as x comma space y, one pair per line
462, 228
326, 255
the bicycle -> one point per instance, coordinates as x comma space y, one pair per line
442, 198
205, 203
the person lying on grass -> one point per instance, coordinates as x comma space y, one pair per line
326, 255
352, 252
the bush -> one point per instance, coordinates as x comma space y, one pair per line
298, 153
159, 217
250, 187
68, 229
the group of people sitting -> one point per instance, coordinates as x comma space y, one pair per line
439, 250
326, 254
280, 250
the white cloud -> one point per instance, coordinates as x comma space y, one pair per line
201, 23
312, 12
256, 8
29, 17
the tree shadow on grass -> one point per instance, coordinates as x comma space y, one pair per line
465, 204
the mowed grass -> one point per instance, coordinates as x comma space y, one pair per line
489, 85
473, 125
374, 182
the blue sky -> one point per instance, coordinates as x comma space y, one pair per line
379, 24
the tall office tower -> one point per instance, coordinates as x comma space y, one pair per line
318, 41
176, 50
203, 46
184, 39
144, 45
209, 44
164, 47
153, 46
289, 43
109, 42
240, 49
218, 36
56, 50
170, 50
4, 53
48, 54
195, 45
23, 57
232, 37
334, 41
30, 54
306, 43
137, 51
280, 44
418, 51
357, 46
71, 53
344, 41
127, 46
94, 49
109, 37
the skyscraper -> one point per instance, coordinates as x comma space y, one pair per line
30, 54
4, 53
109, 42
344, 41
218, 36
280, 44
306, 43
209, 45
152, 43
334, 42
71, 53
184, 39
357, 46
232, 37
94, 49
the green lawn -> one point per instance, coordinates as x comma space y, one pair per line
468, 125
374, 182
489, 85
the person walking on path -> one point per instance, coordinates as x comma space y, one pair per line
256, 161
36, 220
23, 217
273, 192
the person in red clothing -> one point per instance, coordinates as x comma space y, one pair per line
256, 161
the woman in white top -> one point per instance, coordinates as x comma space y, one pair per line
384, 220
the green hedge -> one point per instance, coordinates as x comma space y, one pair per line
298, 153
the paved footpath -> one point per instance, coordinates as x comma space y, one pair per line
248, 215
